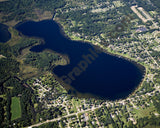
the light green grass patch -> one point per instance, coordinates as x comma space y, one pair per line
74, 103
2, 96
10, 88
35, 105
73, 23
144, 112
15, 108
150, 126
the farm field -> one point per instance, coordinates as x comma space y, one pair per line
15, 108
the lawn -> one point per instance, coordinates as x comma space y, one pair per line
144, 112
150, 126
15, 108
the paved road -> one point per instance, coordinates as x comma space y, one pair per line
56, 119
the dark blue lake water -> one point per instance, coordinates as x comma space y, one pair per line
89, 72
4, 33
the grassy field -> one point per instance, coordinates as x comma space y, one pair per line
144, 112
150, 126
15, 38
15, 108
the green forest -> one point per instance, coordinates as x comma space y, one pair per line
43, 61
12, 85
20, 9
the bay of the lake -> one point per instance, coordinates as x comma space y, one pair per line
4, 33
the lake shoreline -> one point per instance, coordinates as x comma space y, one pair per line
5, 35
104, 50
142, 67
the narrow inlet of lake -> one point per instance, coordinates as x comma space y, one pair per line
4, 33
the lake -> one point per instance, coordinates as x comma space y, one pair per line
4, 33
91, 72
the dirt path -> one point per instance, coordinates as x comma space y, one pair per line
138, 14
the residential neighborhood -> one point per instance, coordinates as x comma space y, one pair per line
33, 62
140, 46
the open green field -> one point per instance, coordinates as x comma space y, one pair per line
144, 112
15, 108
